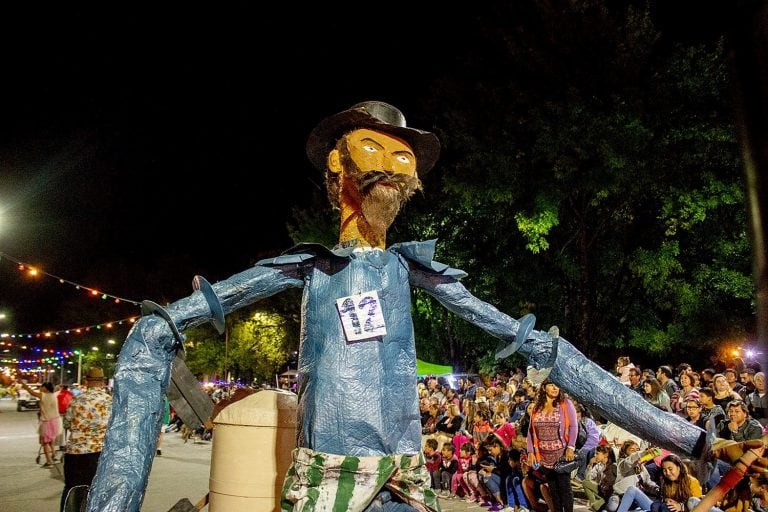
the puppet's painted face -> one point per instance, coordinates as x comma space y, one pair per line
376, 151
378, 175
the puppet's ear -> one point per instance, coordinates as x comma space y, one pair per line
334, 161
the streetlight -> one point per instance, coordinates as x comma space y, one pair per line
79, 365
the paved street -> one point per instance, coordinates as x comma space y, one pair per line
25, 486
182, 472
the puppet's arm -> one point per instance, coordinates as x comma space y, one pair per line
142, 376
584, 380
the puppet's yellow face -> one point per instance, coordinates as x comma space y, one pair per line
376, 151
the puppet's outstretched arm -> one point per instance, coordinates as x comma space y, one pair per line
142, 377
570, 369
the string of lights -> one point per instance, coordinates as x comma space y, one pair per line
35, 271
65, 332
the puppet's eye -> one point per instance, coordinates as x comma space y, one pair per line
369, 148
403, 159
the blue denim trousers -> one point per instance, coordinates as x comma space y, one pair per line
634, 495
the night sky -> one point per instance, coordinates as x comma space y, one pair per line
139, 147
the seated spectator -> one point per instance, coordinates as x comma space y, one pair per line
623, 365
656, 395
458, 486
449, 465
675, 486
600, 477
732, 377
452, 397
667, 380
476, 488
747, 380
693, 414
503, 429
710, 412
482, 427
636, 381
515, 496
757, 400
469, 410
521, 427
447, 426
685, 392
737, 427
432, 461
723, 392
519, 404
430, 425
494, 472
587, 451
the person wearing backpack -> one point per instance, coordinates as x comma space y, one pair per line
586, 442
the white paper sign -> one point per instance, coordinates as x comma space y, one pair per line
361, 316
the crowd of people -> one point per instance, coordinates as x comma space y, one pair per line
511, 444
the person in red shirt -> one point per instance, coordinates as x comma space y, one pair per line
63, 396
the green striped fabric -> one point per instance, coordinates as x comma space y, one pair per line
326, 482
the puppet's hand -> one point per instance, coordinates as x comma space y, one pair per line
524, 329
730, 451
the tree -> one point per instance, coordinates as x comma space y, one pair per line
590, 174
256, 345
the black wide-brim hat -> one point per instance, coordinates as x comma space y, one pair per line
374, 115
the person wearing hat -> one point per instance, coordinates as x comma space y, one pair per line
86, 418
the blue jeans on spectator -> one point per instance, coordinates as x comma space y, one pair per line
584, 458
718, 470
493, 484
693, 501
634, 495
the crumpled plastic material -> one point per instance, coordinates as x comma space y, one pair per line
356, 397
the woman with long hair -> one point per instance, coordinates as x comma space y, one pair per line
552, 436
655, 394
676, 486
449, 424
49, 425
469, 408
723, 391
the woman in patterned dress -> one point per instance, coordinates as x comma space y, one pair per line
552, 436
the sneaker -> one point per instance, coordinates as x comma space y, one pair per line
486, 503
496, 507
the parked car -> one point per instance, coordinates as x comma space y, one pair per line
25, 399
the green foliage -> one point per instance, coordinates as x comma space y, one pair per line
590, 174
257, 343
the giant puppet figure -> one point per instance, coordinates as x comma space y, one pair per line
359, 435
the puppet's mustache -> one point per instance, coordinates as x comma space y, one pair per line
371, 178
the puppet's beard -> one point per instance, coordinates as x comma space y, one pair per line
380, 206
383, 196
